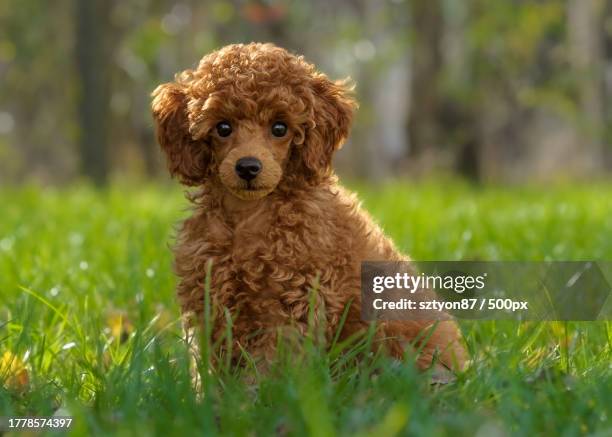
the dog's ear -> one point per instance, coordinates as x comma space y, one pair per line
330, 124
188, 159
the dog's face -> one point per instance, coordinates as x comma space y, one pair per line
249, 116
252, 156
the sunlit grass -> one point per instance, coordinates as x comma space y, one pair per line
89, 324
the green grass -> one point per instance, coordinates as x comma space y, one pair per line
86, 300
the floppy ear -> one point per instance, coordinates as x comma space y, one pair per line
187, 159
330, 124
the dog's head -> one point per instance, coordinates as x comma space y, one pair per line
250, 115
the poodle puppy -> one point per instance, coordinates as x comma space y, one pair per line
255, 128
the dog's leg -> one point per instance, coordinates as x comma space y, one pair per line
438, 344
443, 346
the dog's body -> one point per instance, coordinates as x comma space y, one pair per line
255, 128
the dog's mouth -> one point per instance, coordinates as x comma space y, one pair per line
251, 187
250, 191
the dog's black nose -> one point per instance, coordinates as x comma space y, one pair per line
248, 168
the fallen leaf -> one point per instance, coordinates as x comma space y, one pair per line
120, 326
13, 372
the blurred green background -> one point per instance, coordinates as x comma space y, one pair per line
501, 91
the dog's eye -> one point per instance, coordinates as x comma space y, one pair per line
279, 129
224, 129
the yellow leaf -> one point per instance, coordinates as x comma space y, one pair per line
120, 326
13, 372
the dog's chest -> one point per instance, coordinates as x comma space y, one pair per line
271, 264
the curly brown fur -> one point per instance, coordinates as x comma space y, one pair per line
292, 227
